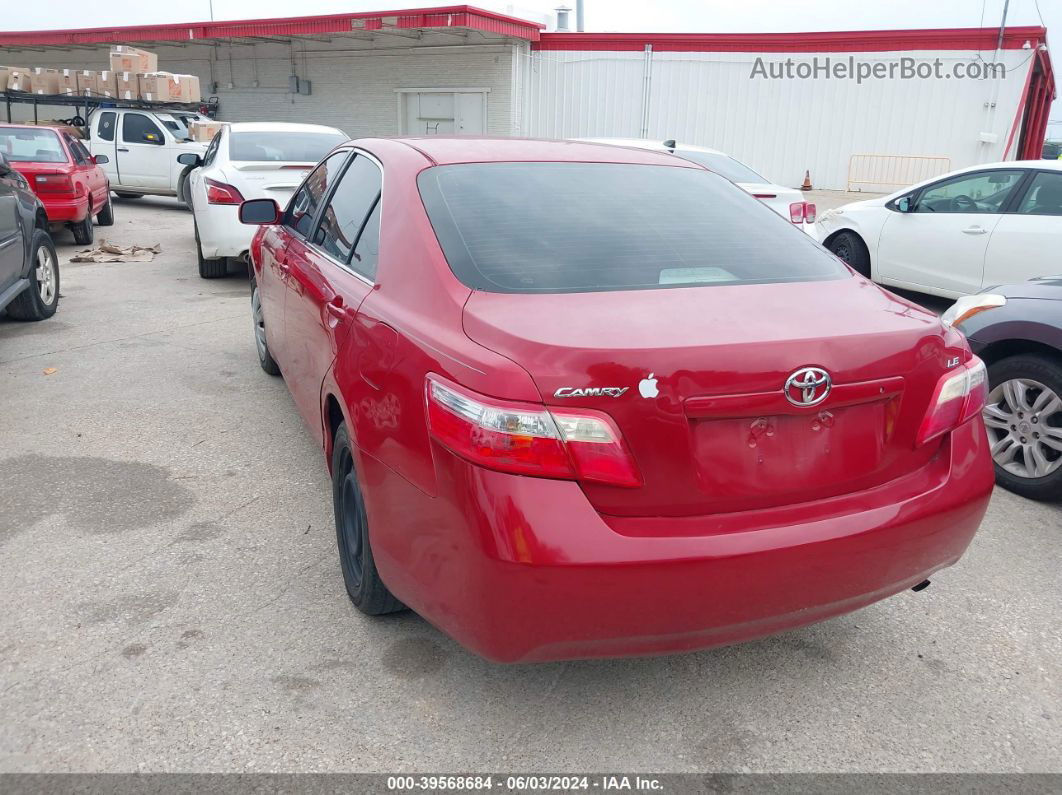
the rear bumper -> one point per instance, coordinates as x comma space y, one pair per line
524, 569
66, 210
220, 232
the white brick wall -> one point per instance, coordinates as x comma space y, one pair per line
354, 91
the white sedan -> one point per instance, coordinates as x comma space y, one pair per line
956, 234
247, 161
787, 202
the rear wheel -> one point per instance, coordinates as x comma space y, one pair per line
41, 298
106, 215
364, 586
83, 230
258, 317
183, 195
208, 268
1024, 420
850, 247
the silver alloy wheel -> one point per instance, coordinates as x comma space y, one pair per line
259, 324
1024, 420
46, 273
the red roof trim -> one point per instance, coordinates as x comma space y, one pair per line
462, 16
983, 39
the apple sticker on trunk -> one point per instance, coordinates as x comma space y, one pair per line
647, 387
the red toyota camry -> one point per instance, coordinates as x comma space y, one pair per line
67, 179
580, 400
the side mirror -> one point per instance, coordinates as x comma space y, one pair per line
153, 138
5, 167
259, 211
904, 204
190, 159
101, 160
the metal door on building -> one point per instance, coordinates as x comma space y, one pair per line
443, 112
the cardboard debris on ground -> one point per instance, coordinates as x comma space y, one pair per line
111, 252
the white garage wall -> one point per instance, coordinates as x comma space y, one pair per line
779, 127
354, 91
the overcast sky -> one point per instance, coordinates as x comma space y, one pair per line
601, 15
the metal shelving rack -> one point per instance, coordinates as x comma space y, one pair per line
90, 104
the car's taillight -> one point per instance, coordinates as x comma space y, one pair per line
959, 396
53, 183
800, 212
527, 439
220, 193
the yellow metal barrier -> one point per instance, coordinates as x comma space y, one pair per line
893, 171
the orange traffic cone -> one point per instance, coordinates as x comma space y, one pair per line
807, 181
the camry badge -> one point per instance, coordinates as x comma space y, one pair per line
808, 386
590, 391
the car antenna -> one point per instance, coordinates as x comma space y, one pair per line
669, 145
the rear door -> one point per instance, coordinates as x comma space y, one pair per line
141, 152
1026, 241
941, 245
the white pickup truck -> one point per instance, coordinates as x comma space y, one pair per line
142, 147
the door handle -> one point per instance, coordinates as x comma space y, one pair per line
336, 309
975, 230
122, 149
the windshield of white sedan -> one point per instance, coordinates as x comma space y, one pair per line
31, 146
290, 147
572, 227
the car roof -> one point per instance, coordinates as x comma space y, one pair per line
654, 145
30, 126
448, 150
276, 126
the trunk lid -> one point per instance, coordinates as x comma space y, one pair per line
718, 435
268, 180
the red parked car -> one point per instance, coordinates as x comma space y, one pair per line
581, 401
60, 170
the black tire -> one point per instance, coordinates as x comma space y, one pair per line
260, 342
121, 195
208, 268
183, 195
1046, 371
850, 247
364, 586
83, 231
32, 303
106, 215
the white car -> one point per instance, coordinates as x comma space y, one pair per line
787, 202
248, 160
956, 234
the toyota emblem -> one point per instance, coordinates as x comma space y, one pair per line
808, 386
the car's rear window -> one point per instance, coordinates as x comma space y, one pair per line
733, 170
31, 146
292, 147
572, 227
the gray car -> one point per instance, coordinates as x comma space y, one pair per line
1017, 330
29, 267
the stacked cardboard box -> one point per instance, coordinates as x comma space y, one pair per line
15, 78
134, 74
204, 131
167, 87
131, 59
77, 82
